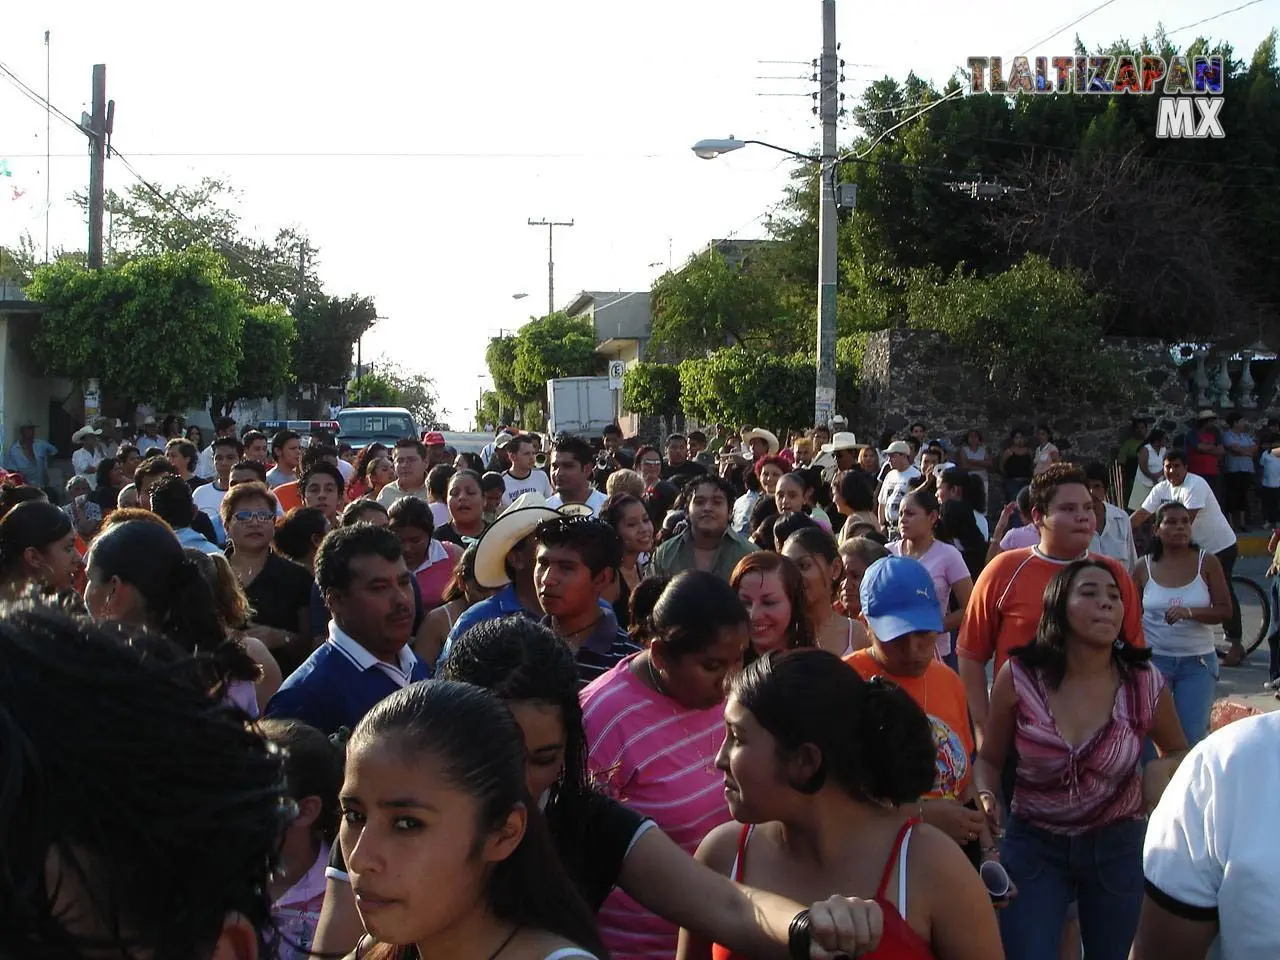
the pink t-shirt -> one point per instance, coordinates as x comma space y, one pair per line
946, 566
436, 572
1027, 535
658, 758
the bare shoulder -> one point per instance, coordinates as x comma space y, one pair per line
719, 847
541, 945
938, 861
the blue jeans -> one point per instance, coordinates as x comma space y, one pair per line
1192, 682
1273, 635
1101, 869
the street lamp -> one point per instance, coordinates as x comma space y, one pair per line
824, 400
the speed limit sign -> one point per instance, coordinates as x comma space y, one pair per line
616, 370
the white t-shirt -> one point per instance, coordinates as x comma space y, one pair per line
208, 500
536, 482
897, 484
1270, 469
595, 501
1210, 529
1211, 844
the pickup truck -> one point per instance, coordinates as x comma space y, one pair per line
361, 426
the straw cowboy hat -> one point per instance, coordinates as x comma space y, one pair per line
1206, 415
761, 434
515, 523
842, 441
80, 435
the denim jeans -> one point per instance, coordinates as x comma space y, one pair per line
1102, 869
1192, 682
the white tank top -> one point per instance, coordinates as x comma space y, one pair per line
1186, 638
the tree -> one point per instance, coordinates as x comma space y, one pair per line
710, 304
387, 384
552, 347
733, 385
147, 222
651, 389
327, 329
165, 328
1034, 330
266, 344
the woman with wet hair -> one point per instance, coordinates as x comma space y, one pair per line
139, 819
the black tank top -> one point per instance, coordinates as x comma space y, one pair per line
1018, 465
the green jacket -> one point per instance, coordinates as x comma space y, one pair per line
677, 555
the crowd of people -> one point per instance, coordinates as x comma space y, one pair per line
718, 699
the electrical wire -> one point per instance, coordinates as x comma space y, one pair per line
1169, 33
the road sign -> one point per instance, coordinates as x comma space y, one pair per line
616, 370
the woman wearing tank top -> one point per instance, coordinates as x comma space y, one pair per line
1075, 705
822, 770
1184, 592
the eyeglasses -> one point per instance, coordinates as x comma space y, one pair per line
247, 516
651, 463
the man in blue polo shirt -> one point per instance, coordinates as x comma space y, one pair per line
368, 590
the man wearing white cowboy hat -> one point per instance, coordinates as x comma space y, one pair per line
839, 455
85, 460
504, 559
762, 443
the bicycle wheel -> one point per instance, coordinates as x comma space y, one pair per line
1255, 613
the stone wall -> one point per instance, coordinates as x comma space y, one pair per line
915, 375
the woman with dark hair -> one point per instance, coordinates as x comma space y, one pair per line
740, 518
653, 725
1150, 468
12, 494
460, 593
313, 777
856, 555
816, 556
772, 591
111, 481
601, 843
660, 499
1017, 464
649, 465
441, 842
957, 525
821, 772
795, 494
643, 601
1184, 595
469, 461
465, 502
373, 471
37, 545
917, 523
631, 521
140, 818
765, 510
138, 573
1076, 705
974, 459
1047, 453
853, 493
171, 427
431, 561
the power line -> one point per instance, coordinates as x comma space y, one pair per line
32, 95
1188, 26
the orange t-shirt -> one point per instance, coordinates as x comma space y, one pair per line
1008, 600
289, 495
940, 694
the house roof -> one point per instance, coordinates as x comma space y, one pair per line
598, 299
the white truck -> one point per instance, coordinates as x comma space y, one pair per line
580, 405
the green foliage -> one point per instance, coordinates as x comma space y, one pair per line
734, 385
553, 347
387, 384
500, 358
490, 412
166, 328
651, 389
327, 329
266, 351
1033, 329
145, 223
710, 304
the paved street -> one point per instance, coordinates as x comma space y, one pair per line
1245, 682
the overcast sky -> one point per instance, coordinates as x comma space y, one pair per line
413, 142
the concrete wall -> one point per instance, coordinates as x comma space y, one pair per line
26, 395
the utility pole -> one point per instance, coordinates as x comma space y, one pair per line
551, 260
829, 113
97, 131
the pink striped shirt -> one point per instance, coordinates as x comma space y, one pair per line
658, 758
1072, 790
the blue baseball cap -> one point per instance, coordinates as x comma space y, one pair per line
898, 598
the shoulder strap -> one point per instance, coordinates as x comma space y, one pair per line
740, 859
898, 852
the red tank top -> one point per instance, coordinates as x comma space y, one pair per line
899, 941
